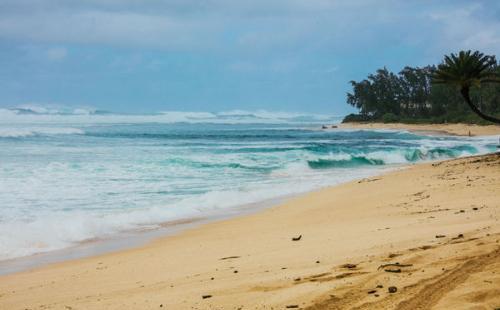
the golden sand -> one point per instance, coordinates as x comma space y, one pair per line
431, 231
453, 129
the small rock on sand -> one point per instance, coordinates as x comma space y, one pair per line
392, 289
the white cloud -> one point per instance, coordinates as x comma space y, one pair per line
177, 24
104, 28
252, 26
467, 28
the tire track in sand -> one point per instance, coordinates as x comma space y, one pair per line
431, 293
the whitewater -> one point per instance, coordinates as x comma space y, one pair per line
71, 176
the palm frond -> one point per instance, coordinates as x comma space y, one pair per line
465, 69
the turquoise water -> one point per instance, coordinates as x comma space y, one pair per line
66, 178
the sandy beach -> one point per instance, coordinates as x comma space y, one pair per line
192, 155
452, 129
423, 237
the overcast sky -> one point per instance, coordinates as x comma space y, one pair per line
215, 55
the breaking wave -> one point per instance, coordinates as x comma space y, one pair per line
31, 114
41, 131
395, 156
66, 177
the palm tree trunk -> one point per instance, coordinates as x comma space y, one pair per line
465, 93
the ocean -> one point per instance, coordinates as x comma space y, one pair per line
67, 177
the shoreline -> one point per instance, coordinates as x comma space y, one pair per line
136, 238
130, 239
141, 236
447, 129
393, 213
95, 247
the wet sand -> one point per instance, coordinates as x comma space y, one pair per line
423, 237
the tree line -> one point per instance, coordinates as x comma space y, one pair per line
412, 96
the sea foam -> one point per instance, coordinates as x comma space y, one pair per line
62, 183
38, 131
35, 114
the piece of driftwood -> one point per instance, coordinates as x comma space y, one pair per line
229, 257
393, 270
394, 265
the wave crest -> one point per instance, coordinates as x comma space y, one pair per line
396, 156
29, 132
35, 114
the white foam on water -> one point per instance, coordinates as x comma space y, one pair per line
36, 131
41, 115
48, 230
71, 189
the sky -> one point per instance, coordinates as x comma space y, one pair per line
142, 56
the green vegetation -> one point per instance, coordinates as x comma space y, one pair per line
466, 70
430, 94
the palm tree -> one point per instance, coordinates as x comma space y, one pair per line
466, 70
